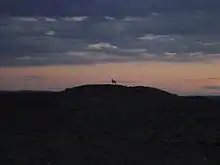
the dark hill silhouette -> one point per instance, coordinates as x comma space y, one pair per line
108, 124
118, 89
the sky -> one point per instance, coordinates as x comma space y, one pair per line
52, 45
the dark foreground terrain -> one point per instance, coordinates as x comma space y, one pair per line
105, 124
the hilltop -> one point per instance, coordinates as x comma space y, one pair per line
109, 124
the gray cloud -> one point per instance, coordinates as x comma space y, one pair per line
31, 78
202, 79
212, 87
103, 7
101, 46
213, 78
29, 58
49, 19
168, 37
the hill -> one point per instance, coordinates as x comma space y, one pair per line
106, 124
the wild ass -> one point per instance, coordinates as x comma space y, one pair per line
113, 82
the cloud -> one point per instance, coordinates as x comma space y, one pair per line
155, 14
198, 55
195, 54
208, 43
170, 54
101, 46
76, 19
104, 7
47, 19
25, 19
213, 78
34, 19
31, 78
75, 53
133, 19
28, 58
109, 18
108, 57
92, 57
133, 50
50, 33
148, 56
204, 79
214, 55
95, 55
168, 37
212, 87
156, 37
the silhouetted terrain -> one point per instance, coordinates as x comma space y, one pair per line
106, 124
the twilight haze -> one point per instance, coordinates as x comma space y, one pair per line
169, 44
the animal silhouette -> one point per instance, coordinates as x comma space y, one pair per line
114, 82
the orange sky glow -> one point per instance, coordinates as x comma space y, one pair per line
179, 78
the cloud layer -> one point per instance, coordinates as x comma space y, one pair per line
75, 40
214, 88
103, 7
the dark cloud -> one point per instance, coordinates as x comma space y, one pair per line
31, 78
214, 78
212, 87
103, 7
178, 37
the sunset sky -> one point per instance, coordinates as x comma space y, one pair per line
52, 45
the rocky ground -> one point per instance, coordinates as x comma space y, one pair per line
106, 124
